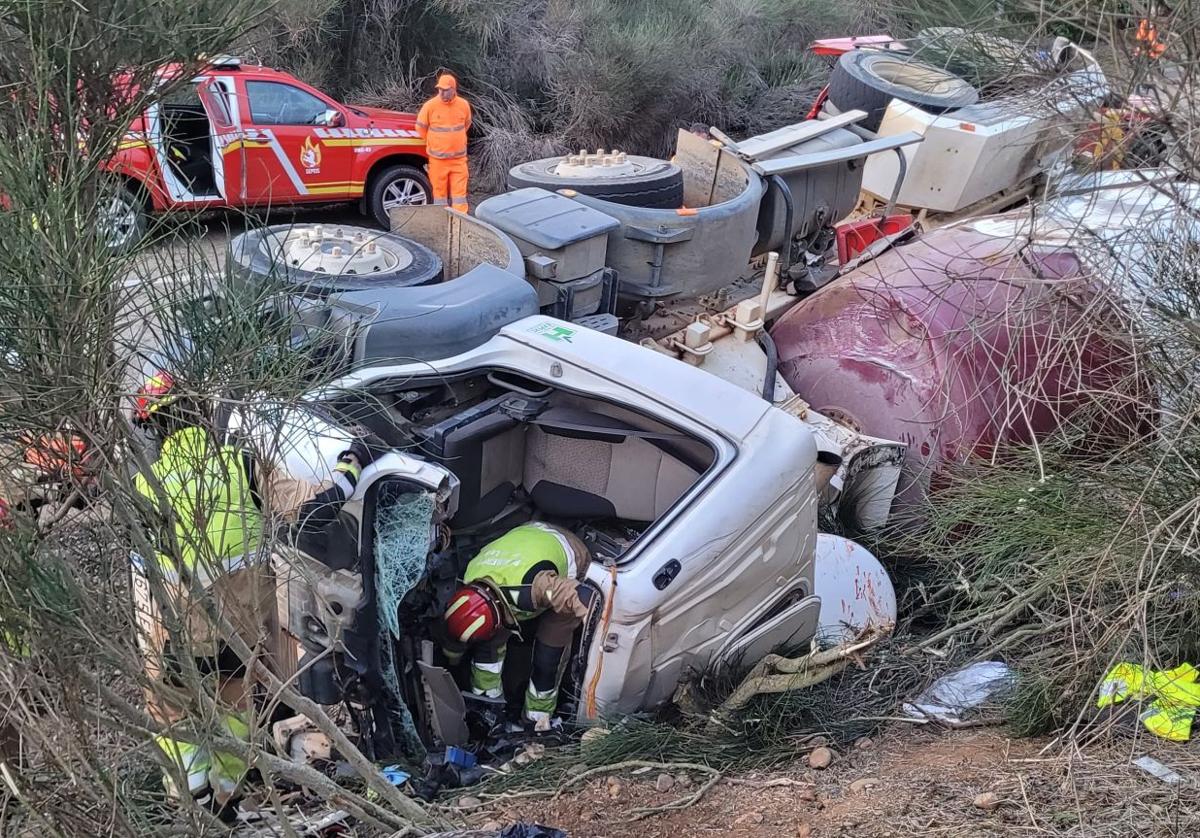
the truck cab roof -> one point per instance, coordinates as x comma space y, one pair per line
534, 345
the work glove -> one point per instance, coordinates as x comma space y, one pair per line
585, 594
360, 451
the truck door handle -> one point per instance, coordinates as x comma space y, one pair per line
667, 573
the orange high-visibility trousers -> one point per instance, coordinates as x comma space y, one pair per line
449, 180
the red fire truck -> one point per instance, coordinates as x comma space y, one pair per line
248, 136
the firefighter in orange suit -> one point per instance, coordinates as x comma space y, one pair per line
1148, 42
443, 123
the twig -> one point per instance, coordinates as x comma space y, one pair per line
767, 784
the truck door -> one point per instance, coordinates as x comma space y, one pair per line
228, 156
288, 162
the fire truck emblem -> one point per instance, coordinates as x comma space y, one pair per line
310, 157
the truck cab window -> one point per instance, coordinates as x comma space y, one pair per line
272, 103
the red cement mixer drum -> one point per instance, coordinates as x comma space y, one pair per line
959, 342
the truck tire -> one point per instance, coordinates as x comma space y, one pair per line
396, 185
121, 218
868, 81
635, 181
328, 258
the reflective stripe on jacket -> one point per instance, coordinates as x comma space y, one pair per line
444, 126
209, 492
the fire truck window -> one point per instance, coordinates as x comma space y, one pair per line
272, 103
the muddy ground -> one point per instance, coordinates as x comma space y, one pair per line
911, 781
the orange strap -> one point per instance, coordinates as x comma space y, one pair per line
590, 702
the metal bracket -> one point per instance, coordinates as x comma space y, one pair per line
661, 235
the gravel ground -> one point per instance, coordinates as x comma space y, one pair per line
912, 781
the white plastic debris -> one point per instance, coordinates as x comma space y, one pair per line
952, 695
1155, 768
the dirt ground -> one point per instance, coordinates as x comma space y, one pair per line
910, 782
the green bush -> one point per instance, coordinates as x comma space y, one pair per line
549, 76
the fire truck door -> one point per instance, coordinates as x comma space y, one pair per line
228, 146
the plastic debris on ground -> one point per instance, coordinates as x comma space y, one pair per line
403, 527
954, 694
1156, 769
395, 775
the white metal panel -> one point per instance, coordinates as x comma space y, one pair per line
855, 591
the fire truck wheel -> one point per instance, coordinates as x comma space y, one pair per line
396, 186
121, 217
621, 178
328, 258
869, 81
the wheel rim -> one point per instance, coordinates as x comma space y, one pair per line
117, 220
404, 192
340, 251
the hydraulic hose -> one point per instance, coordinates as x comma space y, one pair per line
789, 214
768, 345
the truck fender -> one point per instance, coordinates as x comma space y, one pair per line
855, 590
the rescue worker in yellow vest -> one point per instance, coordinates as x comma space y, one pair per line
220, 503
443, 123
533, 573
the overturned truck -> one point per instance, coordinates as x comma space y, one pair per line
624, 371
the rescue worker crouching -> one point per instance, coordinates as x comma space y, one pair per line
443, 123
211, 506
531, 574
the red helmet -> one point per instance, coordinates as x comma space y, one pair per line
473, 614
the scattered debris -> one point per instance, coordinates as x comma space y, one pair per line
684, 781
820, 758
863, 744
749, 819
1172, 696
862, 785
1156, 769
469, 802
959, 691
592, 734
988, 801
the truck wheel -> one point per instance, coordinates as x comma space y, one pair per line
621, 178
326, 258
397, 186
121, 217
869, 81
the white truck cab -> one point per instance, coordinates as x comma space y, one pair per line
697, 498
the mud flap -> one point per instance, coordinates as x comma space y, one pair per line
447, 709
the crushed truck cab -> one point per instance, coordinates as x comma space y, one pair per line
698, 501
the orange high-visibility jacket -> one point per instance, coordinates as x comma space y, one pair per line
443, 126
1148, 40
